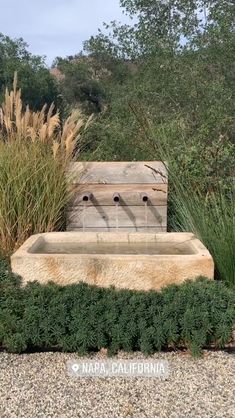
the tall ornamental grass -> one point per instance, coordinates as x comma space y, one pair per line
33, 193
18, 123
206, 208
35, 149
212, 219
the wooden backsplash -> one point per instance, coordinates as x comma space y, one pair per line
129, 180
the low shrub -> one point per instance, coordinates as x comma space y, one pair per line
83, 318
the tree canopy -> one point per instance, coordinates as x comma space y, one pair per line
37, 84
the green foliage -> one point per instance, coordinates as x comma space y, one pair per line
86, 80
33, 192
212, 219
202, 193
37, 84
79, 85
83, 318
165, 25
190, 95
186, 87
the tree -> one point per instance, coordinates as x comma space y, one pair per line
165, 24
86, 80
37, 84
183, 52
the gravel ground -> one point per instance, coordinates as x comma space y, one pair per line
38, 386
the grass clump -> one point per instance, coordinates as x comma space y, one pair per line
33, 193
84, 318
209, 214
212, 219
201, 195
35, 150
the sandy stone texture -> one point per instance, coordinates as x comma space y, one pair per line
133, 271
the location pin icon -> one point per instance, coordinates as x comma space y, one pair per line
75, 368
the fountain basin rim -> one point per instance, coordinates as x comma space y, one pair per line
178, 238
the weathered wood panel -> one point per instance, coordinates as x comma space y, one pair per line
111, 217
129, 179
130, 194
118, 172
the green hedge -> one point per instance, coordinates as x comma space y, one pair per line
83, 318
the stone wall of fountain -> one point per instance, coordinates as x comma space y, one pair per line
118, 197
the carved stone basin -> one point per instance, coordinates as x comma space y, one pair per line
140, 261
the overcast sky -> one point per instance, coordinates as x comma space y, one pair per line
56, 27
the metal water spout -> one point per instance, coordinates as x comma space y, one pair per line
116, 198
86, 197
144, 197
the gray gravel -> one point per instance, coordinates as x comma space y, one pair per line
38, 386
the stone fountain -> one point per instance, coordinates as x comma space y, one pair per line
116, 233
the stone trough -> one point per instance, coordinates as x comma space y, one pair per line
140, 261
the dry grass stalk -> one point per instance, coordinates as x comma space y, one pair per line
19, 124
